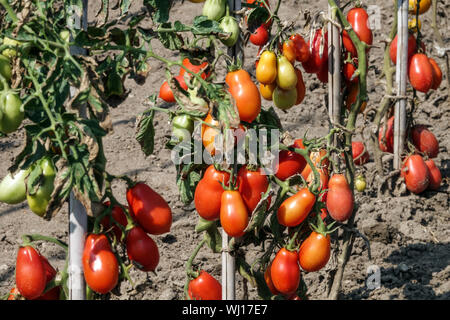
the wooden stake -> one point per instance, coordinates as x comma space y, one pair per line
401, 78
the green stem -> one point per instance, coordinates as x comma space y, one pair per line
10, 11
28, 238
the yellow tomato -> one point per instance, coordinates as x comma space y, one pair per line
424, 6
267, 90
266, 71
413, 25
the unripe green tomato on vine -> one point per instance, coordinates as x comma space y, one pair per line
38, 201
182, 128
214, 9
9, 53
12, 188
360, 183
5, 67
11, 115
229, 25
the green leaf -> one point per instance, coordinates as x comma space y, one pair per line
202, 25
145, 134
160, 9
214, 238
257, 16
124, 6
187, 180
170, 40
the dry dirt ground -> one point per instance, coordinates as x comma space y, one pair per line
409, 235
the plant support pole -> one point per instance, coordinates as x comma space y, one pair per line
334, 76
400, 78
77, 213
228, 259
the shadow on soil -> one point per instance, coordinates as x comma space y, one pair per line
415, 267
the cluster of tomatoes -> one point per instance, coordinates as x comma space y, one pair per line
147, 214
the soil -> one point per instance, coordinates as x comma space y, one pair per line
409, 234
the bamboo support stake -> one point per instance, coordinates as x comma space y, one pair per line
77, 213
400, 77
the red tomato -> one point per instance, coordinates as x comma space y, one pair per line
119, 216
339, 198
416, 174
420, 72
386, 141
289, 163
233, 213
437, 74
412, 47
322, 75
208, 193
314, 252
359, 20
315, 62
357, 149
205, 287
269, 282
435, 175
349, 69
50, 274
323, 173
30, 273
260, 36
142, 250
194, 68
252, 184
425, 141
295, 209
150, 209
285, 272
301, 48
301, 89
100, 266
166, 93
288, 50
245, 93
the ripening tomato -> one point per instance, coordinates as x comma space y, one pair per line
420, 72
386, 140
195, 68
30, 273
357, 152
266, 71
289, 163
245, 93
301, 48
314, 252
416, 174
352, 95
252, 184
319, 161
295, 209
260, 36
284, 99
339, 198
267, 90
425, 141
435, 175
288, 50
323, 174
359, 20
119, 216
437, 74
285, 272
209, 133
166, 93
150, 209
142, 249
316, 60
301, 89
14, 294
233, 213
424, 6
269, 282
412, 46
205, 287
100, 266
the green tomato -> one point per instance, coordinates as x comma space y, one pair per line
10, 53
13, 189
10, 108
5, 67
286, 76
284, 99
38, 202
360, 183
65, 35
214, 9
182, 128
229, 25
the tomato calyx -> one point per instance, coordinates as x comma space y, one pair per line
323, 229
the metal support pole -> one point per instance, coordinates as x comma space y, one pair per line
77, 213
334, 76
400, 78
228, 260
